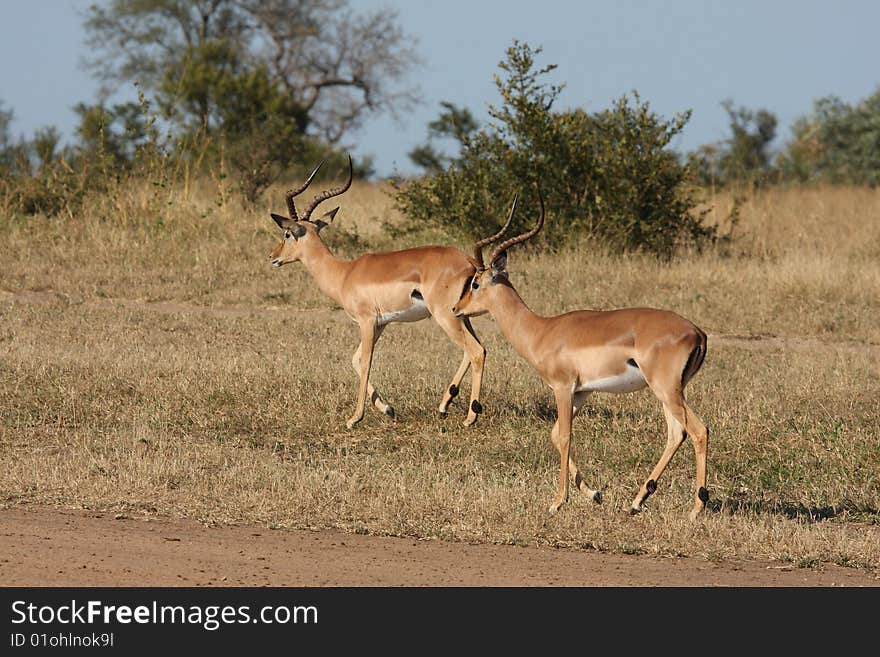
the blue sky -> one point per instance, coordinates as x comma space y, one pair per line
778, 55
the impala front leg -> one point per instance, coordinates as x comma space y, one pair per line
374, 395
563, 441
477, 354
368, 340
573, 471
462, 333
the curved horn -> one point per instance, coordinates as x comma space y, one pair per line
501, 248
330, 193
291, 207
478, 247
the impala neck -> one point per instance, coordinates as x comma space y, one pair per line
517, 322
327, 270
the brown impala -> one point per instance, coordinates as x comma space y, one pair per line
588, 351
377, 289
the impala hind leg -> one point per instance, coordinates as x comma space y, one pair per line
375, 397
675, 436
369, 334
577, 403
462, 333
681, 422
699, 434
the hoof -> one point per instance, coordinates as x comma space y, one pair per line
633, 511
597, 497
703, 494
555, 507
442, 415
350, 424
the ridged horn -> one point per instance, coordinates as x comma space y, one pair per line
478, 247
330, 193
291, 207
501, 248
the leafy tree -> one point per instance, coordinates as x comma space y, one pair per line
455, 123
192, 91
607, 175
837, 143
114, 133
17, 156
8, 150
260, 129
335, 66
45, 145
747, 156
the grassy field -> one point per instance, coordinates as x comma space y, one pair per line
152, 362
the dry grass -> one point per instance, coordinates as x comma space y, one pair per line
152, 361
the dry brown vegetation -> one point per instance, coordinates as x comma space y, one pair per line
152, 362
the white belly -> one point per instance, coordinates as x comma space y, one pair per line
630, 381
416, 312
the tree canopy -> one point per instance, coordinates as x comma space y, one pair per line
335, 66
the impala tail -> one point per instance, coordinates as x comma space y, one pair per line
695, 359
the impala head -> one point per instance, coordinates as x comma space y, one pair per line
477, 297
300, 230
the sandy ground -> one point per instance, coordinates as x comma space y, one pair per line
42, 546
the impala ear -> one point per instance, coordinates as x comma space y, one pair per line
499, 264
329, 216
499, 269
282, 221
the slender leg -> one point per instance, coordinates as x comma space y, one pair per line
675, 436
579, 481
375, 397
563, 441
461, 332
368, 335
453, 389
662, 375
699, 434
689, 424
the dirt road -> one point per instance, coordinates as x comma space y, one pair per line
42, 546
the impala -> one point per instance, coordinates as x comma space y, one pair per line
377, 289
585, 351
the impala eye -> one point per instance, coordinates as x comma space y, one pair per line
287, 234
475, 285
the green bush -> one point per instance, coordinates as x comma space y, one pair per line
607, 175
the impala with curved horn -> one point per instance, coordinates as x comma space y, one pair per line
587, 351
377, 289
